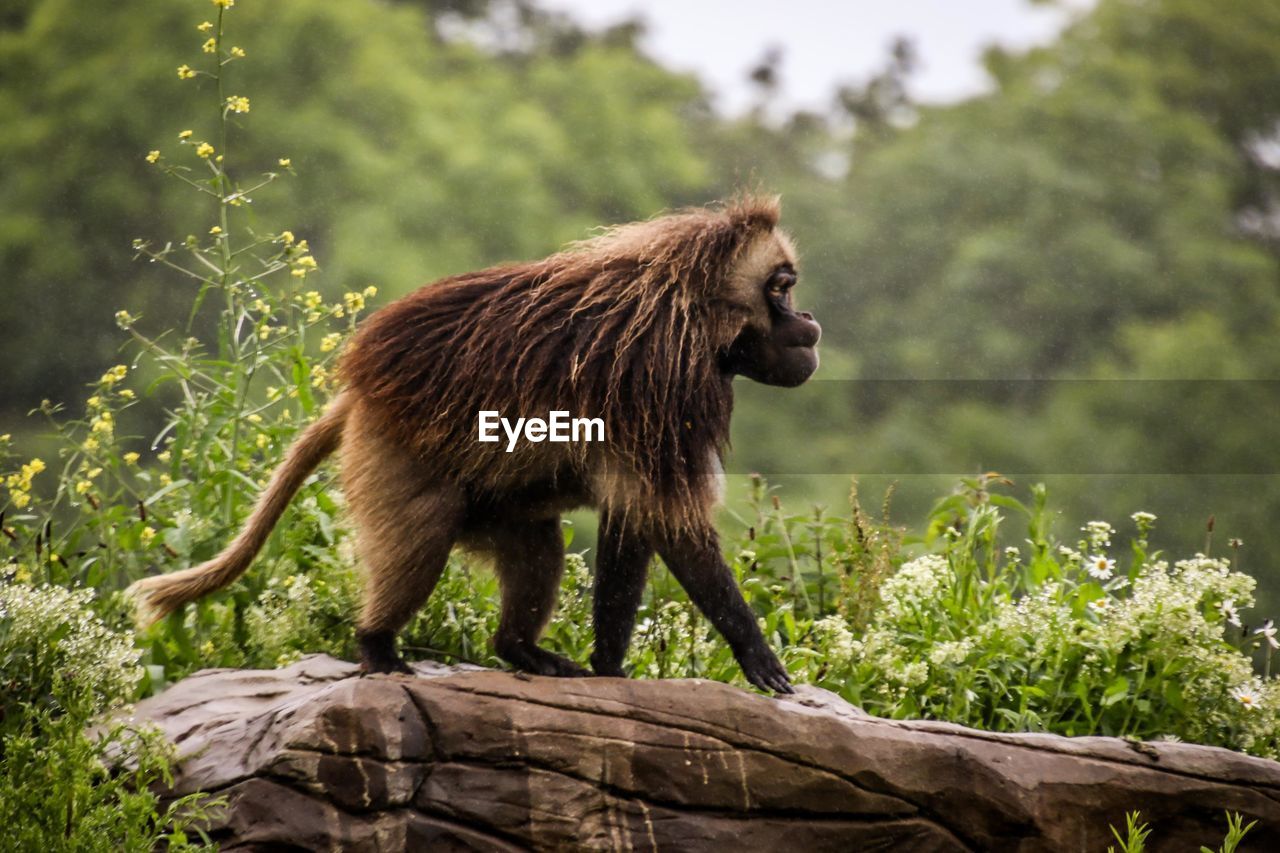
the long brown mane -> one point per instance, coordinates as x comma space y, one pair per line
625, 326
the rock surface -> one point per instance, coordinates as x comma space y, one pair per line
312, 757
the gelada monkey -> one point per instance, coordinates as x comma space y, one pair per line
644, 327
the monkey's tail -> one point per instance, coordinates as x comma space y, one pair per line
159, 596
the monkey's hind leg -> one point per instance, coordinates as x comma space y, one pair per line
402, 566
405, 527
530, 561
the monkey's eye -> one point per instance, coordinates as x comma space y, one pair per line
781, 282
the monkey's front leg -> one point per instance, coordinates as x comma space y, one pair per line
621, 570
695, 560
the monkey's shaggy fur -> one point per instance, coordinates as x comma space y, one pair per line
625, 327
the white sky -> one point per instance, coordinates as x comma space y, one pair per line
825, 43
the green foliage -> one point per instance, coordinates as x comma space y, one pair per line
1135, 835
72, 779
1102, 213
1134, 839
1046, 636
431, 155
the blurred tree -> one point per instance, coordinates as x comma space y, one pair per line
1108, 211
421, 154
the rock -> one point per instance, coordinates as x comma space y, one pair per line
459, 758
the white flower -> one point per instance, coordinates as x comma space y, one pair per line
1099, 533
1246, 696
1143, 517
916, 585
1268, 632
1100, 605
1012, 554
1100, 567
1228, 610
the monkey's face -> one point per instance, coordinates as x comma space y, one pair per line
778, 344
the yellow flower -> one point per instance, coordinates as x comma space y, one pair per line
286, 237
237, 52
264, 332
165, 480
114, 375
94, 402
163, 456
204, 150
93, 472
205, 26
371, 291
253, 418
355, 302
35, 466
225, 4
124, 319
90, 444
209, 46
4, 439
285, 162
330, 342
215, 230
318, 376
148, 533
22, 574
126, 394
153, 156
262, 440
20, 499
184, 135
303, 247
238, 103
186, 72
302, 266
83, 486
130, 458
206, 649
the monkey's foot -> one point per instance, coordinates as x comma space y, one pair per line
378, 654
763, 669
539, 661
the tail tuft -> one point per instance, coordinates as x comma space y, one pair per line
157, 597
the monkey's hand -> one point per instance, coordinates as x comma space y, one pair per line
763, 669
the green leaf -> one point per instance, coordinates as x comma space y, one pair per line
1116, 691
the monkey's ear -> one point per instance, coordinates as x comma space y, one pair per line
754, 212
